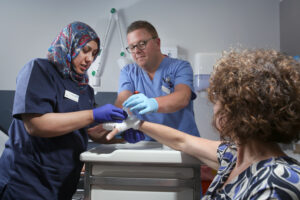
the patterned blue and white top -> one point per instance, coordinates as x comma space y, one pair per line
274, 178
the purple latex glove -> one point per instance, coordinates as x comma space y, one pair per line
109, 113
133, 136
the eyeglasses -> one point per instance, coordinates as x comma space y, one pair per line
141, 45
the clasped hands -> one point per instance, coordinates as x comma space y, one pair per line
117, 120
129, 127
138, 103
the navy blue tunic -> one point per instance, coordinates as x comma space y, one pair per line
43, 168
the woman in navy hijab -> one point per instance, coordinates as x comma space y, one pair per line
52, 108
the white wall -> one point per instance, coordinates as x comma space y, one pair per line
290, 27
28, 27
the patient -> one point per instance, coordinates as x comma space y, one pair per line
256, 97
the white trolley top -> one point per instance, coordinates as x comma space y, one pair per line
141, 152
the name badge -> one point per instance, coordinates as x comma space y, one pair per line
165, 89
71, 95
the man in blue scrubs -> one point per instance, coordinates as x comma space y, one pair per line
164, 84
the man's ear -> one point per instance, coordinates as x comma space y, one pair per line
157, 40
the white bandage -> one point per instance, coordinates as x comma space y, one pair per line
110, 125
130, 122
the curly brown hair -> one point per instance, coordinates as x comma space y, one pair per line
259, 96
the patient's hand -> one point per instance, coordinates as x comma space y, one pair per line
98, 134
112, 134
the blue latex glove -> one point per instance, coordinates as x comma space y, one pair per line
141, 104
133, 136
109, 113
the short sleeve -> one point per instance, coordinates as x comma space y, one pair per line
35, 91
184, 74
125, 83
226, 153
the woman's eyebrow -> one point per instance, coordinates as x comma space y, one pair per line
87, 47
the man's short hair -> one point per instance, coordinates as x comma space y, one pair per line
142, 25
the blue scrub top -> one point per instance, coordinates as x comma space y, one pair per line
43, 168
170, 73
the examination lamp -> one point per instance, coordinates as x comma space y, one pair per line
98, 66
